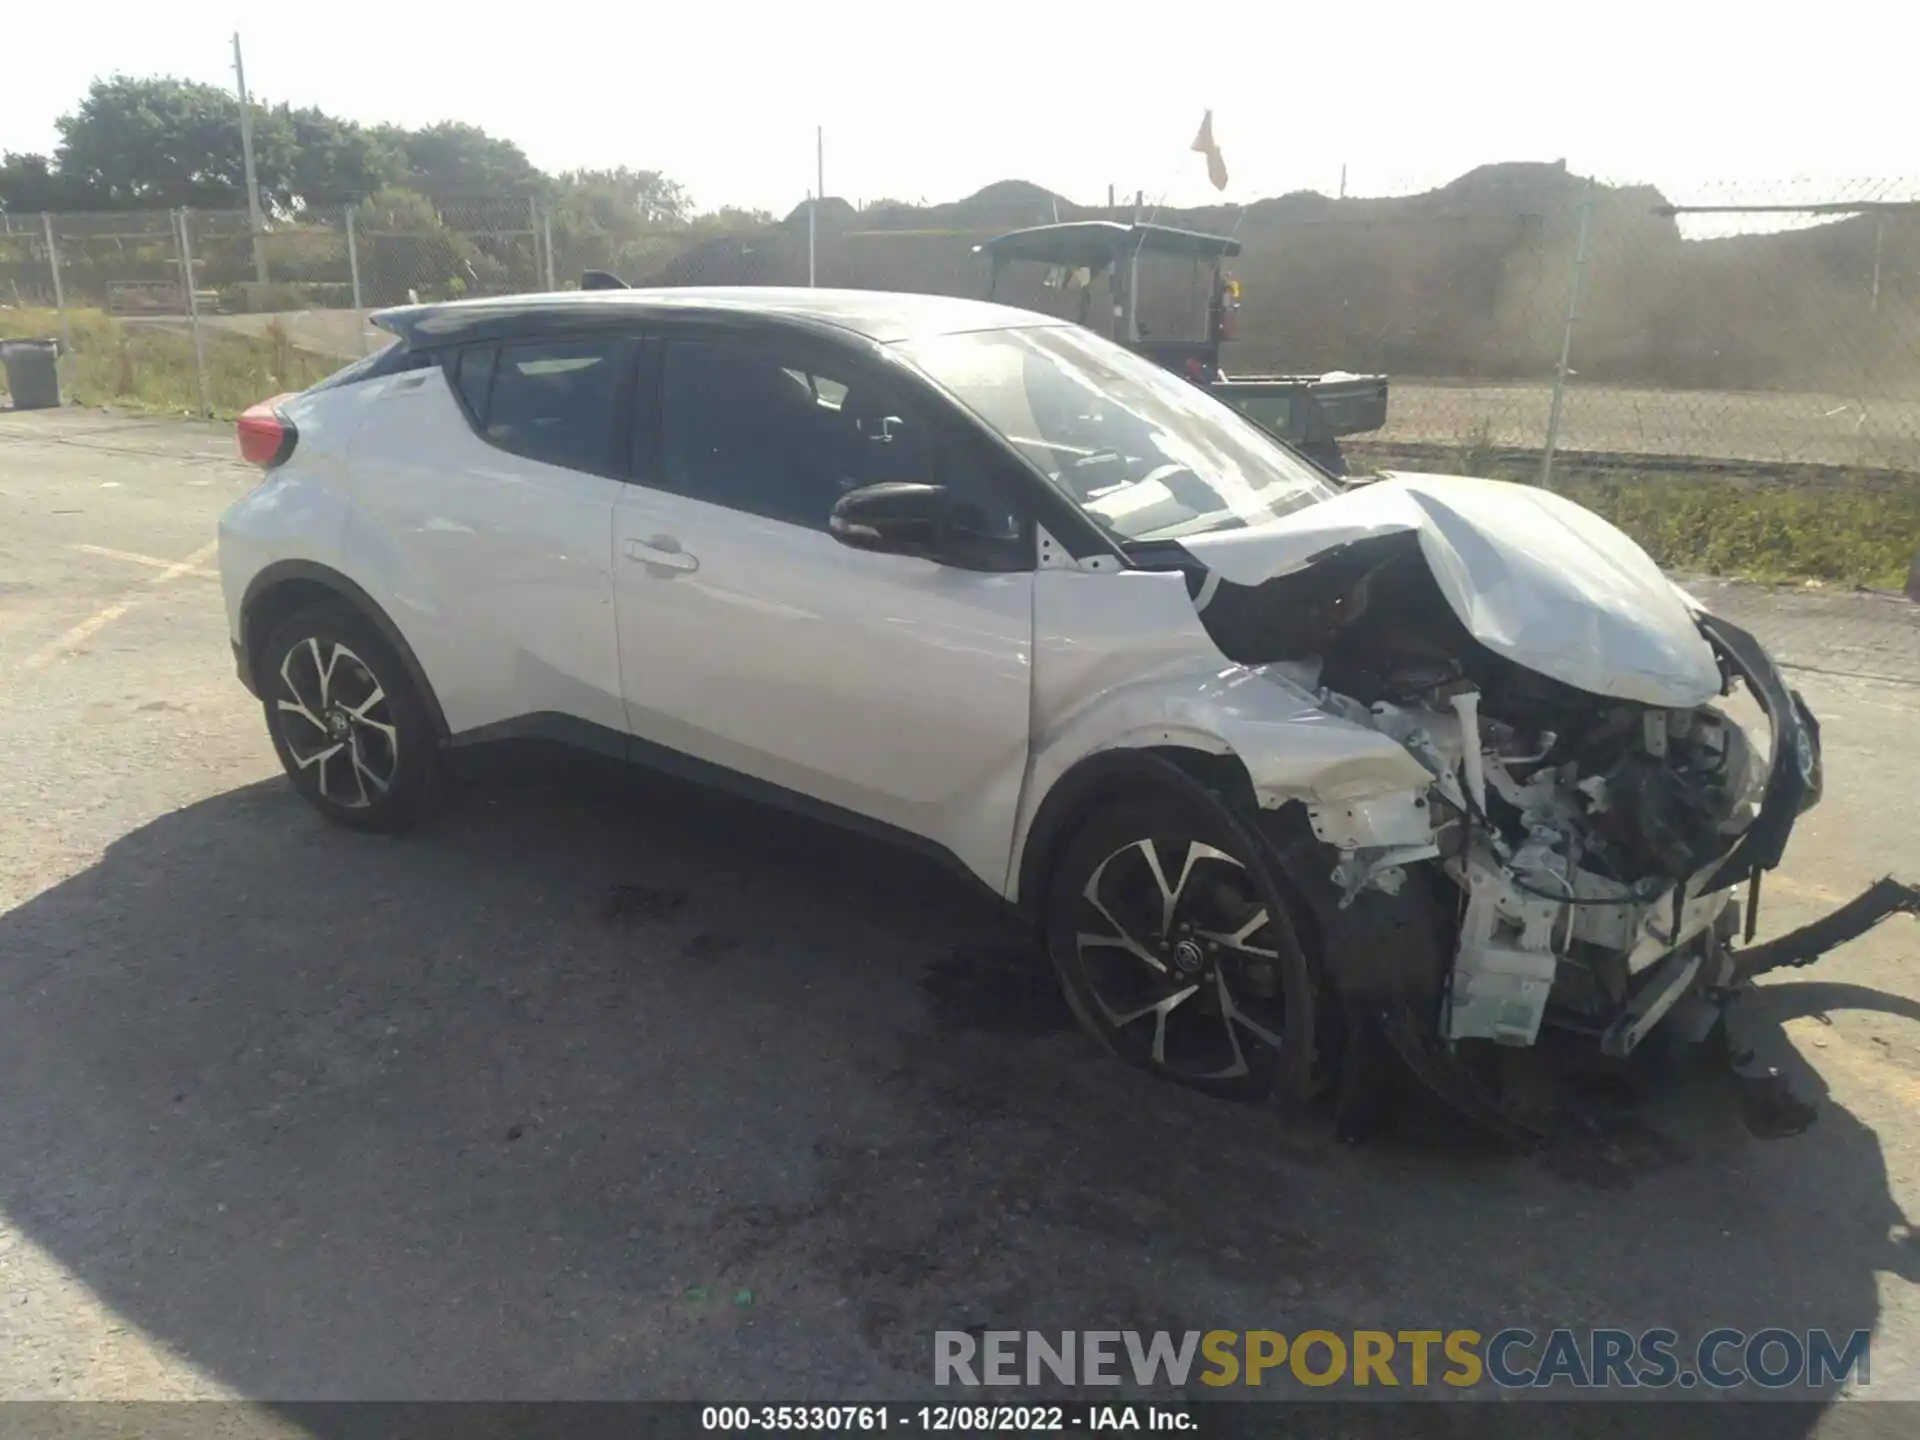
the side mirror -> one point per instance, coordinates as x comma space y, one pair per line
927, 521
897, 518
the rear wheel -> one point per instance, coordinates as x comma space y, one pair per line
349, 725
1176, 949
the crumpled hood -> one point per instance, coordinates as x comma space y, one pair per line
1535, 578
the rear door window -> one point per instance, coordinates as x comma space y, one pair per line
555, 401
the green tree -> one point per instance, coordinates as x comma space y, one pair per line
624, 220
405, 245
309, 159
30, 182
454, 158
617, 200
161, 141
730, 219
138, 143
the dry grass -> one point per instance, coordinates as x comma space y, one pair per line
1828, 524
149, 366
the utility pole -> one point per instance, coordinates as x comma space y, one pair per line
1566, 334
813, 210
254, 221
1133, 274
1879, 234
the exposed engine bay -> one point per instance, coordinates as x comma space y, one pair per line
1584, 768
1576, 827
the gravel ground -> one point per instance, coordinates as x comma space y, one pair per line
606, 1088
1860, 633
1768, 427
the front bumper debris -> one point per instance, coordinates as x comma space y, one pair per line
1881, 900
1796, 777
1709, 980
1704, 993
1768, 1105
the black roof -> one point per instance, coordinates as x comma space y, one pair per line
1100, 242
880, 315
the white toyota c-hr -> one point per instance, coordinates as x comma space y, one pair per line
1287, 772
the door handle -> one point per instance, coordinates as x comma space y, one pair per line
662, 555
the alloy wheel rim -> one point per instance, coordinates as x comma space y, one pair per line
1182, 958
336, 723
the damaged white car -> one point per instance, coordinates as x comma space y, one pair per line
1303, 782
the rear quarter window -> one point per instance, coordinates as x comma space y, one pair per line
473, 377
394, 359
554, 401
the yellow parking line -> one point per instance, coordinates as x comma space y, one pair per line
52, 651
152, 562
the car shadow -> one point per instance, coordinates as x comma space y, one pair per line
604, 1087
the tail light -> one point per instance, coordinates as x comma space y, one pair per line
267, 437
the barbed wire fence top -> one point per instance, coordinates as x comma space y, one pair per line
1729, 331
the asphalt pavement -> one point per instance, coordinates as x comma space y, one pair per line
606, 1088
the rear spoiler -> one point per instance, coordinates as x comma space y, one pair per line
405, 322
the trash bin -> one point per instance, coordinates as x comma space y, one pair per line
33, 372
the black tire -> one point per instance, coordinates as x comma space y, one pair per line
1244, 1028
356, 741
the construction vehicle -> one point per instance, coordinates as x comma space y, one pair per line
1310, 413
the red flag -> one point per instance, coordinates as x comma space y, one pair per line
1204, 144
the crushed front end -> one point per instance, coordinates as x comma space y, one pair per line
1602, 855
1587, 866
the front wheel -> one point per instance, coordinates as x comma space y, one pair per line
347, 722
1177, 951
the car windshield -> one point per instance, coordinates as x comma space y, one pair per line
1147, 454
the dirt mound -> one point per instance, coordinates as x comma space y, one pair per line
1467, 281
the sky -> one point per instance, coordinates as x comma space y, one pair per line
1711, 101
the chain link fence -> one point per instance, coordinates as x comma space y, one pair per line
191, 310
1746, 326
1732, 327
1520, 311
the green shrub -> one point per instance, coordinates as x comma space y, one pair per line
1770, 523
